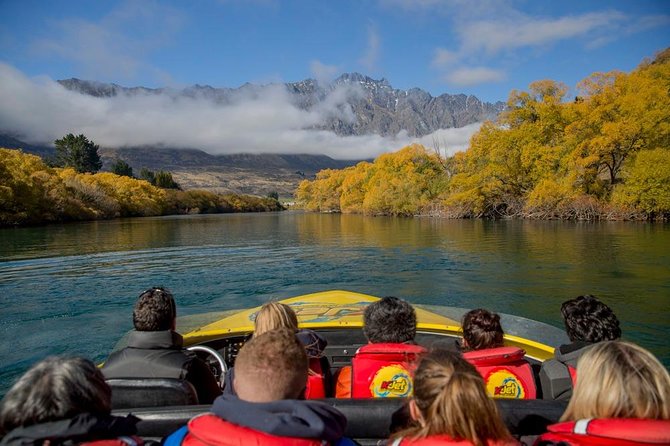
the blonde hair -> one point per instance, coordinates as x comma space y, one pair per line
618, 379
451, 396
273, 315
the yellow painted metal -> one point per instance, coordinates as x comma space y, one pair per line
344, 309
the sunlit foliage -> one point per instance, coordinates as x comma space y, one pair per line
603, 154
31, 192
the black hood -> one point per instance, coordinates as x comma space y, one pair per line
82, 427
285, 418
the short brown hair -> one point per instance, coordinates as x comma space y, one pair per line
482, 329
155, 310
271, 366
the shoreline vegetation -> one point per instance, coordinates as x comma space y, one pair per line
31, 193
603, 156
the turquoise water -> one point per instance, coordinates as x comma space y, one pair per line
70, 288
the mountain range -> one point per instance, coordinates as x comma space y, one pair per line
363, 106
371, 106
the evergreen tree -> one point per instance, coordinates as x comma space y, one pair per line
164, 180
147, 175
78, 152
122, 168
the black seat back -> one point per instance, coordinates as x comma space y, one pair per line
151, 392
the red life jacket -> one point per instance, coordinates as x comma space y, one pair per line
573, 375
441, 440
506, 373
316, 386
608, 432
384, 370
210, 430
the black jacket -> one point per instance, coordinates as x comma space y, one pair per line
80, 428
160, 354
555, 379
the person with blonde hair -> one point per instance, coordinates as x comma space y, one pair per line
275, 315
450, 406
622, 393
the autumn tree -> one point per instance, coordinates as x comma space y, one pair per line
77, 152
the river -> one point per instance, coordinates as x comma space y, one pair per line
70, 288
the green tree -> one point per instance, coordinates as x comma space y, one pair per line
147, 175
274, 195
164, 180
78, 152
122, 168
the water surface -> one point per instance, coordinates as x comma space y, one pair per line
70, 288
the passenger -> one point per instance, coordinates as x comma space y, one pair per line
587, 321
388, 320
155, 349
481, 330
450, 406
273, 315
622, 396
268, 410
63, 400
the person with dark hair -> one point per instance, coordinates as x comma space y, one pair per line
587, 322
155, 349
389, 320
62, 400
268, 409
481, 330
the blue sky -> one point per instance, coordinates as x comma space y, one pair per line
485, 48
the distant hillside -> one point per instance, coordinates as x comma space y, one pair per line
257, 174
376, 107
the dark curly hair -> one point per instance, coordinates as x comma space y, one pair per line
587, 319
482, 329
389, 320
155, 310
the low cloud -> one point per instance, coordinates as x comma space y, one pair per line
323, 73
40, 110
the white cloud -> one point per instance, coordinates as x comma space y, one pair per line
371, 56
494, 36
41, 110
474, 76
444, 58
323, 73
117, 46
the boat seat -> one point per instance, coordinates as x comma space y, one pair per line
384, 370
506, 372
130, 393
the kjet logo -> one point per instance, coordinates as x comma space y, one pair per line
391, 381
504, 384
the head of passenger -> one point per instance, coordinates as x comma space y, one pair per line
54, 389
450, 400
389, 320
481, 330
271, 366
618, 379
273, 315
589, 320
155, 310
